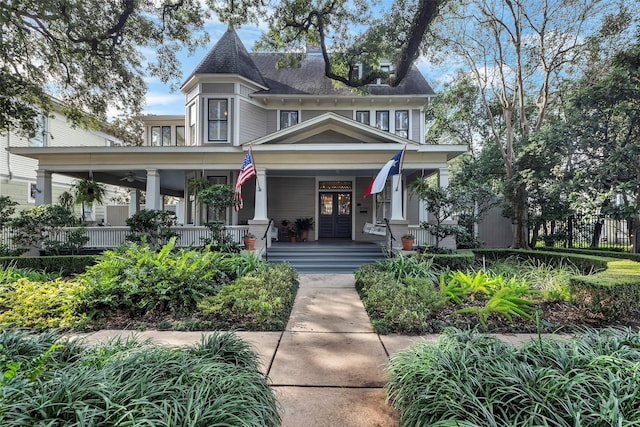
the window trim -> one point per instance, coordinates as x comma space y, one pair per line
184, 135
224, 119
395, 123
280, 117
388, 128
368, 112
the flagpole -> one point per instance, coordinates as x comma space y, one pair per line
401, 165
254, 167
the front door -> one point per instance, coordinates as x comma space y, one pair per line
335, 215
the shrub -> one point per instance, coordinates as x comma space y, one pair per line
136, 280
402, 266
152, 227
261, 300
462, 260
53, 381
402, 307
62, 265
468, 379
587, 264
41, 305
613, 293
603, 252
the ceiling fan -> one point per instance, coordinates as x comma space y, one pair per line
132, 177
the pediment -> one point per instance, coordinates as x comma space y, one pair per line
330, 128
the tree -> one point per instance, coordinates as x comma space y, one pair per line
332, 26
603, 118
89, 54
517, 51
442, 204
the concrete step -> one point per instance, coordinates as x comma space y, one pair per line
315, 257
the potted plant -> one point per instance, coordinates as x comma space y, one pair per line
407, 242
304, 225
249, 241
293, 233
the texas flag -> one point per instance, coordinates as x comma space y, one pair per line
392, 167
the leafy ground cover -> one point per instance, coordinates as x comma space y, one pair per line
413, 296
50, 380
471, 379
138, 287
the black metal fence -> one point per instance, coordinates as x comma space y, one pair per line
585, 232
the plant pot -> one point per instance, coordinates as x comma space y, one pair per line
304, 235
407, 244
293, 239
250, 244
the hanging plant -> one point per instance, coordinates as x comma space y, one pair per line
87, 192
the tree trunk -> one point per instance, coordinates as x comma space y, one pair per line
597, 232
519, 219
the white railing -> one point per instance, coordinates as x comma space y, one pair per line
422, 236
112, 236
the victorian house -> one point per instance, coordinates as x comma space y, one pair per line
316, 146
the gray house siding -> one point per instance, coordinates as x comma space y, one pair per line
226, 88
363, 212
415, 125
272, 121
254, 122
291, 198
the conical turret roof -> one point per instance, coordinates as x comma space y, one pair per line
229, 56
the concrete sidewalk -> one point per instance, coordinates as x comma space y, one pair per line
327, 367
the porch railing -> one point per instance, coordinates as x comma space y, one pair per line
112, 236
422, 236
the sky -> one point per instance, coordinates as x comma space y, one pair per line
160, 100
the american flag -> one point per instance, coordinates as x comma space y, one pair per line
247, 170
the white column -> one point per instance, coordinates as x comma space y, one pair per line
134, 201
260, 212
43, 187
396, 198
154, 200
443, 177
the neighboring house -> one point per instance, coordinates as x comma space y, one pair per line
316, 147
18, 174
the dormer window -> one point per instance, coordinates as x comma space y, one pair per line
382, 120
218, 115
39, 136
402, 123
384, 68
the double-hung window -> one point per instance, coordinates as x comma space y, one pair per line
39, 136
218, 120
363, 117
288, 119
402, 123
180, 136
382, 120
160, 135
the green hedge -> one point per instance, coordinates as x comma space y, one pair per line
595, 252
463, 260
614, 292
585, 263
66, 265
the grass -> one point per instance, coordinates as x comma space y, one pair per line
470, 379
49, 380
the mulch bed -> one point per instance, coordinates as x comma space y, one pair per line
554, 316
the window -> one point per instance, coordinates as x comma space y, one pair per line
166, 135
180, 136
363, 117
382, 120
192, 124
386, 69
160, 135
155, 136
402, 123
38, 137
218, 115
288, 119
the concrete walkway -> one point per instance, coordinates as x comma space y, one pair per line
327, 367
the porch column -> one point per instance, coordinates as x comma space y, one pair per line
260, 212
134, 201
234, 213
396, 198
258, 225
443, 177
43, 187
443, 182
154, 200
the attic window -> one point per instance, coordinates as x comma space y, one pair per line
288, 119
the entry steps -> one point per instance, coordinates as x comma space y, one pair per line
327, 258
